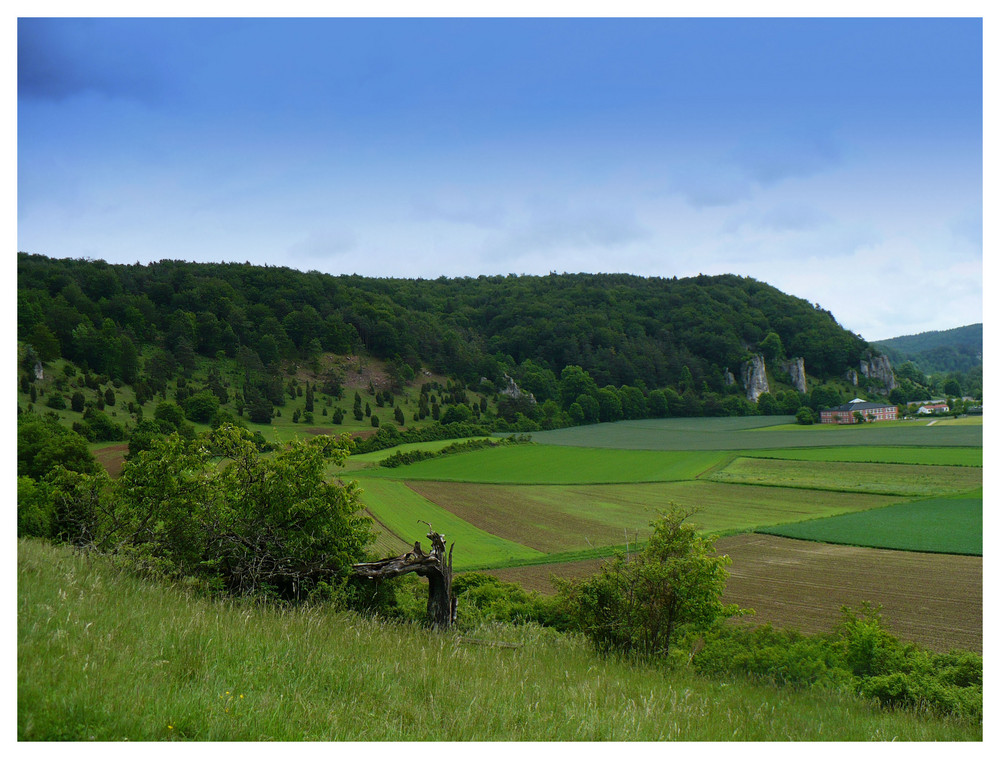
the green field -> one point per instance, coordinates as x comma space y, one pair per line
883, 455
939, 525
549, 464
556, 519
401, 510
755, 432
518, 504
889, 479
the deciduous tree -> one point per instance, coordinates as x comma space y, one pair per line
638, 604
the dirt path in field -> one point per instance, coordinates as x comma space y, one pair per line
112, 457
932, 599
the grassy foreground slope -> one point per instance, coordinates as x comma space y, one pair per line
105, 656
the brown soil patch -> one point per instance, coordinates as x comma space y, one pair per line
935, 600
320, 430
112, 457
536, 525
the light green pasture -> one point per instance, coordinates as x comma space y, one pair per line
402, 510
965, 421
547, 464
881, 454
890, 479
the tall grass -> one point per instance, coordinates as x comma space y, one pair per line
105, 656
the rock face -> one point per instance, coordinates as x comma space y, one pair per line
754, 376
728, 378
878, 368
796, 368
511, 389
39, 373
852, 376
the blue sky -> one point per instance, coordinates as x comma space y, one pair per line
840, 160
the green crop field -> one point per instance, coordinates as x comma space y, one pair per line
401, 510
881, 455
895, 479
757, 432
939, 525
548, 464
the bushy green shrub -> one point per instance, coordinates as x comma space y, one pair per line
215, 510
43, 444
35, 512
860, 655
640, 604
102, 427
782, 657
483, 597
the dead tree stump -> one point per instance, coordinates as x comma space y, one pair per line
435, 566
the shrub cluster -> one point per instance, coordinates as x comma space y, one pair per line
860, 655
215, 511
389, 436
401, 458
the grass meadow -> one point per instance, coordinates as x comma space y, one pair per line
882, 455
936, 525
889, 479
558, 465
105, 656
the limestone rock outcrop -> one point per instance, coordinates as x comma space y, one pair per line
796, 368
879, 369
511, 390
754, 376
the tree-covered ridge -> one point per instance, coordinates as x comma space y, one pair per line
621, 329
952, 350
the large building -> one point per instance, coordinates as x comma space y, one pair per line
870, 412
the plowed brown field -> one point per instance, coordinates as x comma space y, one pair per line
932, 599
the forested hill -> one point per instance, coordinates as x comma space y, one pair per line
951, 350
622, 329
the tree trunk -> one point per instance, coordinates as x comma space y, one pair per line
435, 566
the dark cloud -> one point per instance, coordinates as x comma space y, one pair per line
581, 227
321, 245
760, 160
463, 208
773, 157
60, 58
710, 185
786, 217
